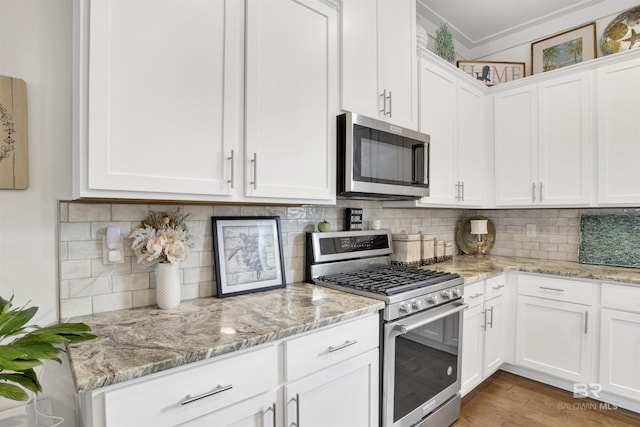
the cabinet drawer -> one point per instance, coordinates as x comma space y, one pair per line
163, 400
495, 286
556, 289
621, 297
474, 293
325, 347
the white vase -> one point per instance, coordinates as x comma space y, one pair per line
167, 285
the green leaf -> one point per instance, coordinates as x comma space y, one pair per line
35, 350
12, 392
30, 383
9, 353
18, 364
12, 321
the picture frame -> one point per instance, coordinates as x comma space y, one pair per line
248, 254
568, 48
492, 73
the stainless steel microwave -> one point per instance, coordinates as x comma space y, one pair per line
379, 160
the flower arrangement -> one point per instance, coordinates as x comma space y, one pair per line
162, 237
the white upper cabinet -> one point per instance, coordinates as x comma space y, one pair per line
154, 89
618, 143
167, 107
291, 99
543, 143
379, 65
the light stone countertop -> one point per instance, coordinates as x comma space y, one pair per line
137, 342
473, 268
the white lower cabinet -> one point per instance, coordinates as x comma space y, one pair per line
620, 340
555, 327
483, 331
330, 378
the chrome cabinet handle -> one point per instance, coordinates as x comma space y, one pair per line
540, 190
272, 408
474, 296
545, 288
341, 346
218, 389
296, 399
462, 186
586, 322
533, 191
384, 102
491, 322
498, 287
231, 169
390, 106
255, 171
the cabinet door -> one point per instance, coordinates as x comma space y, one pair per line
471, 152
162, 75
344, 395
472, 343
565, 135
618, 148
397, 60
259, 411
291, 93
555, 338
516, 143
438, 119
360, 58
620, 353
493, 339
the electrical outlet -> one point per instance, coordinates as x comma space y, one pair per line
531, 230
114, 255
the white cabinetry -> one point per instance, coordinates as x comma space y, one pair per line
291, 99
543, 140
618, 147
330, 378
170, 109
452, 113
555, 327
620, 340
484, 330
379, 69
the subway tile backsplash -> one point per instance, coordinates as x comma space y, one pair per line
89, 286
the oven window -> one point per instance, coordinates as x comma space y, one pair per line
426, 363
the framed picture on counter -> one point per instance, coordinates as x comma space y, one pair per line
248, 254
564, 49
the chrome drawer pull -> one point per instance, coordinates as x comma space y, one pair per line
272, 408
474, 296
296, 423
498, 287
544, 288
231, 169
218, 389
341, 346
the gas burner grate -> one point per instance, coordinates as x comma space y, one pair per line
388, 280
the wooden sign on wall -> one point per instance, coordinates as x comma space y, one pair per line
14, 159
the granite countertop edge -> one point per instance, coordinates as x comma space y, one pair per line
121, 353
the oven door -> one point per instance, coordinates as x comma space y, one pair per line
421, 367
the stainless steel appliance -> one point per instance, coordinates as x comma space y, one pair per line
421, 324
379, 160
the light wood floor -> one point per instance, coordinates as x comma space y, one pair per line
509, 400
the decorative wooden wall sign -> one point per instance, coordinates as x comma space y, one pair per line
14, 159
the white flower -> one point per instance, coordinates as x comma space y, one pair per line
161, 238
176, 251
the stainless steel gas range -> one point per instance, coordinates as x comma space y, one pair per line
421, 325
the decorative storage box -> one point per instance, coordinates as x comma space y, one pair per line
428, 254
406, 249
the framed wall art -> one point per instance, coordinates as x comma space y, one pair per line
568, 48
493, 73
248, 254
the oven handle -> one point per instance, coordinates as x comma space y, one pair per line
403, 329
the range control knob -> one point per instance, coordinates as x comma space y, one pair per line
432, 299
455, 292
404, 308
446, 294
416, 304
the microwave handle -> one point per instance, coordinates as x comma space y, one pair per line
420, 160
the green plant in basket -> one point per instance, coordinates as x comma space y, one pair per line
23, 348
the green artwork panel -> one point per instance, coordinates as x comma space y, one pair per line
610, 240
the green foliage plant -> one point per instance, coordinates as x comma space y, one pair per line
444, 44
24, 347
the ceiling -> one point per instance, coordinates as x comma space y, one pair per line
483, 27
